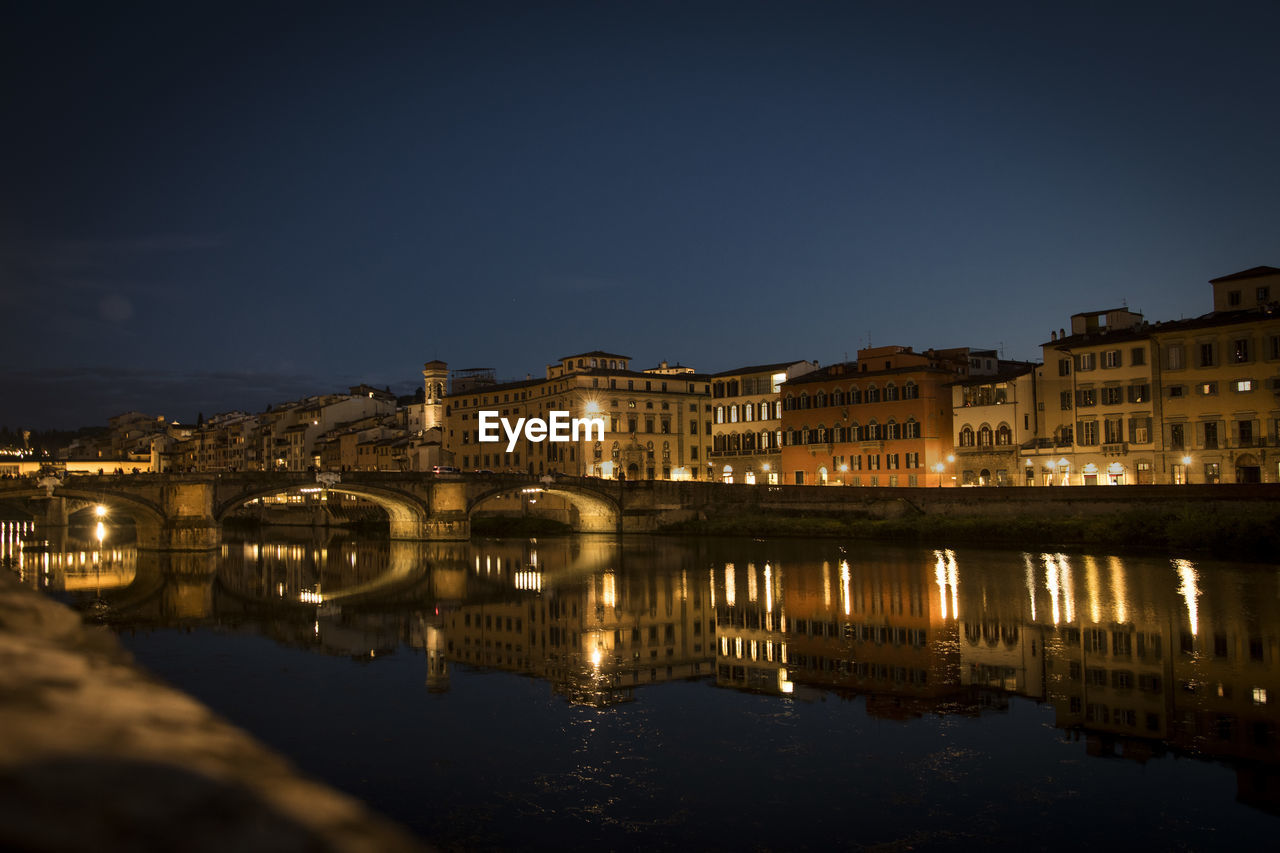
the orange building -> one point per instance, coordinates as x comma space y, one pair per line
883, 420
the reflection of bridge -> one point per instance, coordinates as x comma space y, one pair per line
185, 511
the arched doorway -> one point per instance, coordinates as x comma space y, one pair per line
1248, 469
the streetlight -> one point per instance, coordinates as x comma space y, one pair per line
939, 468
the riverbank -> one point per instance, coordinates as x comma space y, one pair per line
97, 755
1239, 531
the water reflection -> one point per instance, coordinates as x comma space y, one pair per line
1140, 656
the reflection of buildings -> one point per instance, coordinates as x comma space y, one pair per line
299, 571
1141, 656
1144, 656
595, 638
79, 565
885, 629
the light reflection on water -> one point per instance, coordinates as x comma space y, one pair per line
575, 688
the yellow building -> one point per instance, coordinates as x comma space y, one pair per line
1220, 378
1187, 401
992, 417
1101, 414
657, 423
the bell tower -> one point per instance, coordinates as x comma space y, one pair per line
435, 375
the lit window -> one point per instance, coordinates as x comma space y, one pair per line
1259, 695
1244, 385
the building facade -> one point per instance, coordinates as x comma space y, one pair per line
657, 423
1186, 401
883, 420
1220, 385
992, 417
746, 422
1101, 411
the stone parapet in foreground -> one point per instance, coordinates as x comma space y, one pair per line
97, 755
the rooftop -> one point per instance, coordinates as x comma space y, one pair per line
1255, 272
758, 368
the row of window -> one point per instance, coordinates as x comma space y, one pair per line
1211, 435
891, 431
749, 412
748, 385
1112, 431
1238, 351
1206, 354
1109, 395
798, 477
1112, 358
892, 461
1209, 389
852, 397
985, 436
747, 441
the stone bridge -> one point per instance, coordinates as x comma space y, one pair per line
185, 512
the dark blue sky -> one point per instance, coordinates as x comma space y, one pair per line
209, 206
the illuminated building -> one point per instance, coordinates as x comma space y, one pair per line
746, 422
1186, 401
1220, 378
1098, 386
883, 420
992, 417
657, 423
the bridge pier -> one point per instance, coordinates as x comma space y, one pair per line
187, 521
449, 519
188, 576
54, 513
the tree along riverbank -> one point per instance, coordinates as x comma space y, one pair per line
1238, 531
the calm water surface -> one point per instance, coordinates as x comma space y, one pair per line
725, 693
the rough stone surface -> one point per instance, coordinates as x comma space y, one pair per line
96, 755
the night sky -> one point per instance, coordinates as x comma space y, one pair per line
215, 206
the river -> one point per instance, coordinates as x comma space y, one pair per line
680, 692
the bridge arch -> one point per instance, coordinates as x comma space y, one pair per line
598, 512
148, 518
405, 513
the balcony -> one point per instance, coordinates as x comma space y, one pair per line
1118, 448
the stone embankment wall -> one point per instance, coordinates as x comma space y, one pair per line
96, 755
678, 502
